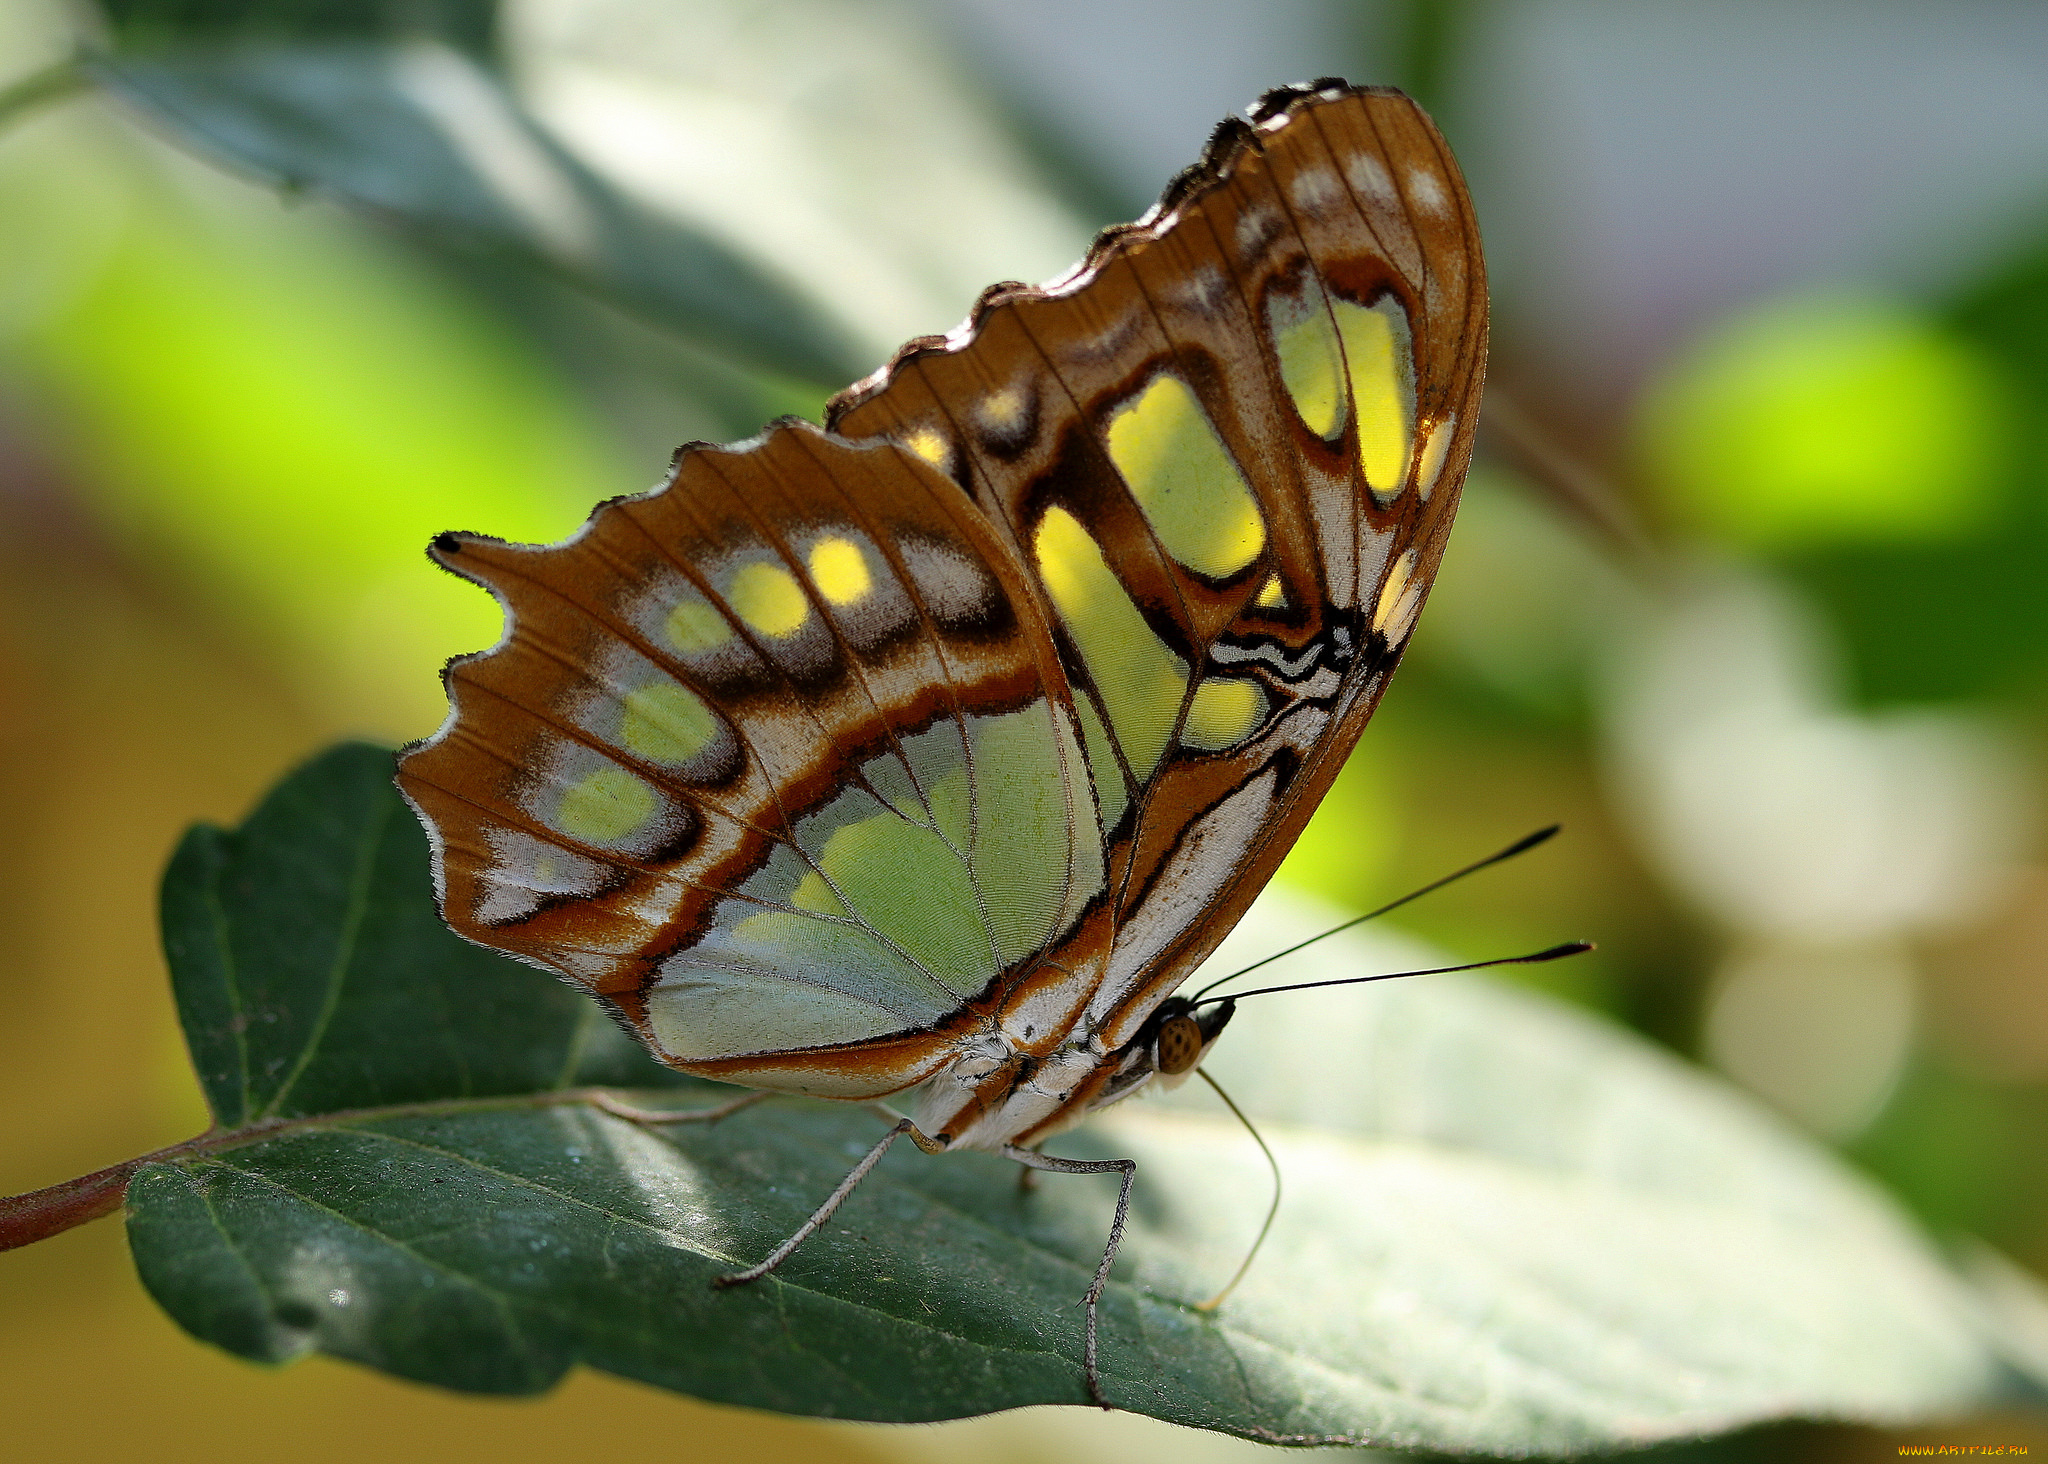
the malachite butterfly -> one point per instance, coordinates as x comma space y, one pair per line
923, 757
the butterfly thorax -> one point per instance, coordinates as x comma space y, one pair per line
1018, 1082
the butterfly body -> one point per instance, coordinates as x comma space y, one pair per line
924, 756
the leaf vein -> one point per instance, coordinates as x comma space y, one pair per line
354, 913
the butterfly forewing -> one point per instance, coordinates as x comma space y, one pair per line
956, 735
1229, 445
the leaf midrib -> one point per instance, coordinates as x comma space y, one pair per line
506, 1303
353, 914
356, 1123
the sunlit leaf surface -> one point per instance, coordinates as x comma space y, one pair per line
1506, 1228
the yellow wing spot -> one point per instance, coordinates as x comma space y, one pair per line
814, 894
768, 598
929, 444
695, 627
840, 571
1436, 446
1185, 480
908, 882
1141, 680
1394, 613
667, 722
1311, 365
1223, 712
1271, 596
1003, 410
605, 806
1380, 363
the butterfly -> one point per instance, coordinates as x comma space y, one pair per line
922, 757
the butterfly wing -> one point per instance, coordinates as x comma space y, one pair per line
1229, 446
814, 766
775, 760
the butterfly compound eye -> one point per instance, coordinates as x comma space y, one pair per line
1180, 1046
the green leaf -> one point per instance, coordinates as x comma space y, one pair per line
464, 22
1508, 1228
313, 974
371, 107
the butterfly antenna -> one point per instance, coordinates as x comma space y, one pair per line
1556, 952
1271, 1210
1520, 846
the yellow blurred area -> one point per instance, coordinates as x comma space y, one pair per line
275, 413
1825, 418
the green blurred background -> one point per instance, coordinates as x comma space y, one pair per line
1748, 590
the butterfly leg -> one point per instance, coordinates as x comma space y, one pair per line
833, 1201
1128, 1168
634, 1113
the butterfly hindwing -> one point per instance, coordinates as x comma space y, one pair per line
778, 758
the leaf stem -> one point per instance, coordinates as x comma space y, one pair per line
57, 80
40, 1214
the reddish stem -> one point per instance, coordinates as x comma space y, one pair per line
40, 1214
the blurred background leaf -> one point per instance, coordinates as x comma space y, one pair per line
396, 110
1779, 283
